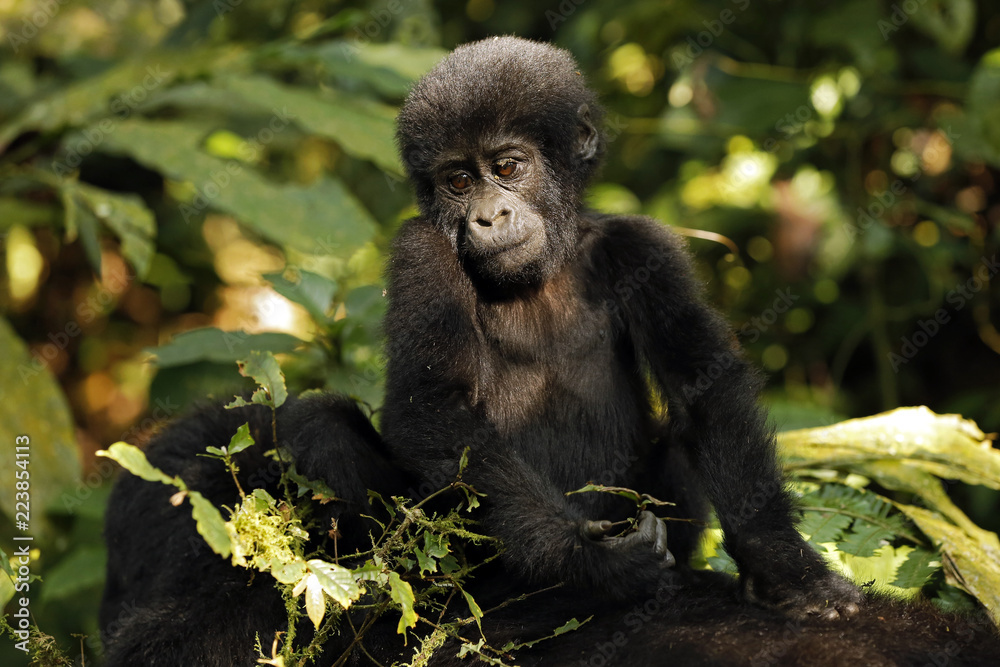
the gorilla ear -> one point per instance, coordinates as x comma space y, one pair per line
589, 138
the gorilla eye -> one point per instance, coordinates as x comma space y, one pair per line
505, 168
460, 181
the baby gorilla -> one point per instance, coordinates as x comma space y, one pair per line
533, 331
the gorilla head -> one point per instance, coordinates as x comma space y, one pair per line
500, 140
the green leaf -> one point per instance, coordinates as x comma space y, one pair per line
436, 545
81, 570
865, 538
310, 290
216, 345
132, 459
288, 573
364, 128
917, 568
33, 407
337, 581
5, 564
977, 562
402, 594
241, 440
124, 214
210, 524
426, 564
315, 218
823, 527
948, 22
477, 613
264, 369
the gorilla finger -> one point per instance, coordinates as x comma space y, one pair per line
660, 540
595, 530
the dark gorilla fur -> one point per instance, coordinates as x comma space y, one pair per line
528, 328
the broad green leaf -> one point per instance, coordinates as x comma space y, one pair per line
101, 96
337, 581
288, 573
310, 290
127, 216
211, 344
313, 219
946, 445
33, 410
210, 524
265, 371
82, 569
134, 460
402, 594
363, 128
241, 440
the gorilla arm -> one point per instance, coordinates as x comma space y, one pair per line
714, 412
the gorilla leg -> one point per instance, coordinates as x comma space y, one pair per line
167, 593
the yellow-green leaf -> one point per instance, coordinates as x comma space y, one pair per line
402, 594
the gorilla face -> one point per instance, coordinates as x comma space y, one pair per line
492, 198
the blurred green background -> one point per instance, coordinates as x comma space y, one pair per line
229, 166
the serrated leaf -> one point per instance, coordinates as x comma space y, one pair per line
425, 563
241, 440
918, 567
264, 369
337, 581
822, 527
436, 545
402, 594
132, 459
367, 572
211, 344
209, 523
864, 538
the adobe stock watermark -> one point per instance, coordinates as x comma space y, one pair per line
958, 297
122, 106
562, 13
31, 25
379, 19
220, 179
714, 28
885, 200
900, 16
751, 331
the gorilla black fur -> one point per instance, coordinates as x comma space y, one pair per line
530, 329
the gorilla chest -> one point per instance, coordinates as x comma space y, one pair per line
551, 356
